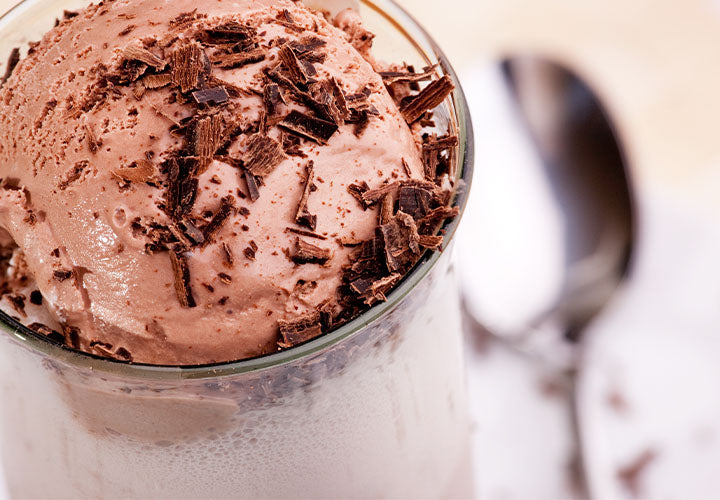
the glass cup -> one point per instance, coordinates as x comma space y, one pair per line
375, 408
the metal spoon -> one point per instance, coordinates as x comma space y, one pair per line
585, 186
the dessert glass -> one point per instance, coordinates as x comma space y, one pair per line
375, 408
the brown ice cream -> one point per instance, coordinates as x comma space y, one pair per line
192, 183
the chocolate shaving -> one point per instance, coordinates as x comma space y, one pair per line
189, 67
386, 209
373, 291
182, 187
373, 196
93, 142
432, 150
208, 138
74, 174
406, 167
428, 99
18, 303
72, 336
361, 124
239, 59
157, 81
299, 330
303, 216
263, 154
13, 61
305, 253
225, 278
307, 44
53, 335
138, 171
136, 53
357, 191
102, 348
181, 271
302, 232
400, 241
390, 77
123, 353
306, 126
272, 98
286, 19
252, 186
415, 198
292, 63
249, 252
228, 258
227, 207
215, 95
430, 242
128, 29
231, 32
291, 145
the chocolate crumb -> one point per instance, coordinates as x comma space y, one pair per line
305, 253
62, 274
181, 271
225, 278
36, 297
309, 127
299, 330
631, 474
428, 99
303, 216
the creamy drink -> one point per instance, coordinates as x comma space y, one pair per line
222, 271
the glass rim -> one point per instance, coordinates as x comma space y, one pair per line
459, 122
